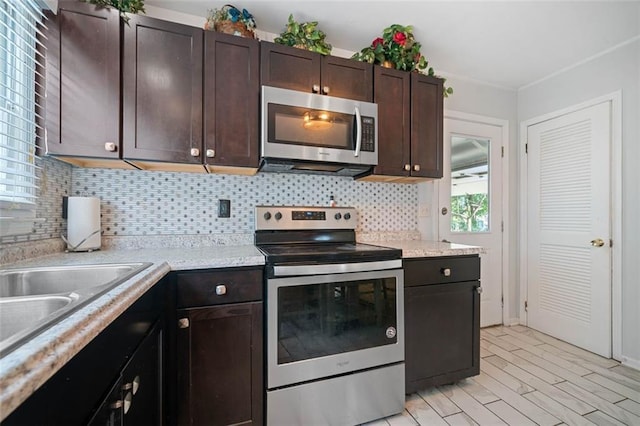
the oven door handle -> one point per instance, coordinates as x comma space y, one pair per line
338, 268
358, 132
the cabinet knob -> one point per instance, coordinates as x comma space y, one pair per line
407, 167
221, 289
195, 152
211, 153
479, 290
110, 146
315, 88
446, 272
325, 90
416, 168
183, 323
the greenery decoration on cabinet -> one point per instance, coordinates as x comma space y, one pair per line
230, 20
398, 48
304, 35
124, 6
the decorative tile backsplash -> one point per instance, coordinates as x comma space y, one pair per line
137, 203
54, 180
164, 203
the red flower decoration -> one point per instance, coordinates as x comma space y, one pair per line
400, 38
377, 42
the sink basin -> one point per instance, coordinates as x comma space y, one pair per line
67, 279
33, 299
16, 314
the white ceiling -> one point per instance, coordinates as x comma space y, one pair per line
507, 43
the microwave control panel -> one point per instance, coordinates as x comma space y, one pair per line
368, 134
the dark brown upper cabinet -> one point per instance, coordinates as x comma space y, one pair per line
82, 116
162, 95
231, 103
426, 126
410, 121
299, 69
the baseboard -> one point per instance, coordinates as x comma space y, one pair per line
513, 321
630, 362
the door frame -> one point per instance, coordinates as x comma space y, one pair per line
506, 267
615, 193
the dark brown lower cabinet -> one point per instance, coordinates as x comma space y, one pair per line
219, 357
442, 320
117, 379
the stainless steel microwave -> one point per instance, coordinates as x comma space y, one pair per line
311, 133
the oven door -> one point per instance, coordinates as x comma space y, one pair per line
326, 325
306, 126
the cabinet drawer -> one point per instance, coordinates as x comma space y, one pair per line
439, 270
219, 287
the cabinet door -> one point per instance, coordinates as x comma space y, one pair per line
83, 81
442, 334
142, 382
232, 97
162, 72
289, 67
219, 353
392, 94
426, 126
346, 78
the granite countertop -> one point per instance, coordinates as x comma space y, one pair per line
26, 368
423, 248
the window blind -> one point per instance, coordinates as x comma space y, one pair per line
21, 96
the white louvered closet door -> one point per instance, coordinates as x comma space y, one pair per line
569, 271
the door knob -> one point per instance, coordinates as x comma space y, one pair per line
598, 242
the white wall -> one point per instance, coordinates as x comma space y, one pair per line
496, 102
617, 70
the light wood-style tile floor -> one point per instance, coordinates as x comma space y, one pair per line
529, 378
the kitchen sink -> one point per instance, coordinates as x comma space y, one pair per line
61, 279
33, 299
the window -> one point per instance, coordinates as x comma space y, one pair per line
20, 58
469, 184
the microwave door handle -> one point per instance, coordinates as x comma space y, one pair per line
358, 132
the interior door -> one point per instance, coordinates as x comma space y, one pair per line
568, 228
470, 200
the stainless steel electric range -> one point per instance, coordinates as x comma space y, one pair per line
335, 319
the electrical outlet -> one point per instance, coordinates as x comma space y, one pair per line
224, 208
423, 210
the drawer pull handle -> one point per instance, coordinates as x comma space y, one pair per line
446, 272
221, 289
128, 400
479, 289
183, 323
136, 385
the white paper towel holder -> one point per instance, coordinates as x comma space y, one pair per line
71, 247
83, 223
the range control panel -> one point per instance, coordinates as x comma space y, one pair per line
296, 218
